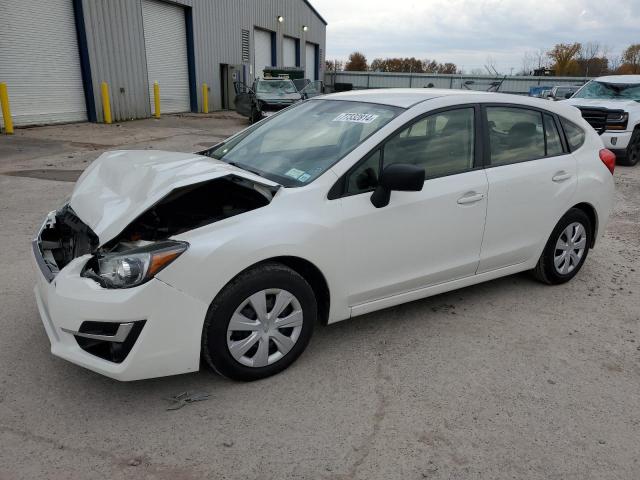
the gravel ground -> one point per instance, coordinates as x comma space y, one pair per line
508, 379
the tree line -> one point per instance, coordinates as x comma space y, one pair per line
565, 59
357, 62
589, 60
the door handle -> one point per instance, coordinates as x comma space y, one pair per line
472, 197
561, 177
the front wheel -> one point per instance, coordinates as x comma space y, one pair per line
633, 150
566, 249
260, 323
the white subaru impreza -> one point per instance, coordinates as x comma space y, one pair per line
332, 208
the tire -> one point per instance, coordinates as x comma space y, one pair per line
574, 221
274, 282
632, 155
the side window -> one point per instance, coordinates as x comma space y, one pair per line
575, 135
515, 135
442, 143
365, 176
554, 145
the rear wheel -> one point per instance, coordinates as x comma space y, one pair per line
260, 323
633, 150
566, 249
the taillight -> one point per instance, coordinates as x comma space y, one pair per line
609, 159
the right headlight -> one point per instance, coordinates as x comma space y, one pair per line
133, 267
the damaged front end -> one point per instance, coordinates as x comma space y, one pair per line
62, 237
144, 247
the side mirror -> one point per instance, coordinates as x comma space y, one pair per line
568, 95
402, 177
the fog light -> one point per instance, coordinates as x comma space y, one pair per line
614, 140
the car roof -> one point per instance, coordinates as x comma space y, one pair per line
397, 97
619, 79
409, 97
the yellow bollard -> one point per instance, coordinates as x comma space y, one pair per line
205, 98
106, 103
6, 110
156, 99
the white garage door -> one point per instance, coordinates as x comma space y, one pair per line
310, 61
39, 61
288, 52
261, 52
165, 38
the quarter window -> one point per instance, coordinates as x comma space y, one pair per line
515, 135
554, 145
364, 177
575, 135
442, 143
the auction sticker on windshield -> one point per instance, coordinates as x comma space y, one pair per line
356, 117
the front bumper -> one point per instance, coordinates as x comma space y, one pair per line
614, 140
168, 344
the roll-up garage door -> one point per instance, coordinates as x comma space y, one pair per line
288, 52
310, 61
165, 38
39, 61
261, 52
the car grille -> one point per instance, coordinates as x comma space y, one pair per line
596, 117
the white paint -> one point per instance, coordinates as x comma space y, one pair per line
421, 244
165, 38
261, 51
288, 52
310, 61
39, 62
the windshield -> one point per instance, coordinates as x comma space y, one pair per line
275, 86
615, 91
298, 145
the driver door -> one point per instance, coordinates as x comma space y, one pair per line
245, 100
421, 238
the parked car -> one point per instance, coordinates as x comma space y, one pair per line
611, 105
562, 92
539, 91
309, 89
336, 207
267, 96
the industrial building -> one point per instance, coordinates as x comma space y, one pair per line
55, 54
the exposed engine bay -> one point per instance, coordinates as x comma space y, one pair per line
65, 237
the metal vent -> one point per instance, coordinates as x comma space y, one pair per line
597, 117
245, 46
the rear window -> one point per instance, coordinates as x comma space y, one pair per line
575, 135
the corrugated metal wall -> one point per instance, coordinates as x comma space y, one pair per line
518, 85
117, 53
115, 40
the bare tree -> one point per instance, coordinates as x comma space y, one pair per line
615, 62
490, 65
334, 65
540, 57
529, 63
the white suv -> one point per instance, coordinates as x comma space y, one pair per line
612, 106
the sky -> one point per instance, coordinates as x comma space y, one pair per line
472, 33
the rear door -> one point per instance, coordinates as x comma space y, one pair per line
532, 179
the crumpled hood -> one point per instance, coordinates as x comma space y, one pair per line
610, 104
120, 185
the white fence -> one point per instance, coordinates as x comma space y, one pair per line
510, 84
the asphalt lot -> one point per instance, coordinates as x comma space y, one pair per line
508, 379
